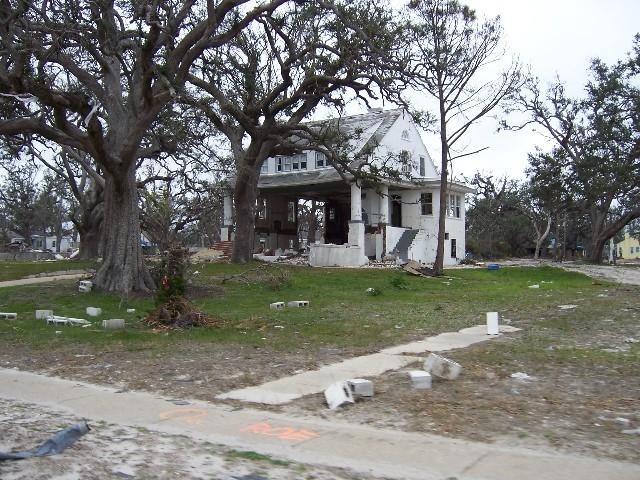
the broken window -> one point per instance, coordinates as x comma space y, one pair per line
426, 203
453, 205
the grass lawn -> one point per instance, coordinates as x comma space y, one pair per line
341, 312
16, 270
585, 360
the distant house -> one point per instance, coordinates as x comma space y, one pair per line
42, 242
362, 220
629, 248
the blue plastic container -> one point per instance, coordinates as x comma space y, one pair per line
493, 266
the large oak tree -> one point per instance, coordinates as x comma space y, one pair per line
95, 76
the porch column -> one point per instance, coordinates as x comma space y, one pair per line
384, 205
356, 226
227, 220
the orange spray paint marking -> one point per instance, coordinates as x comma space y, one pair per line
283, 433
190, 416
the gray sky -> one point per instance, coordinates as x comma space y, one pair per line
552, 37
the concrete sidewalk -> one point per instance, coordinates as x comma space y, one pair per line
32, 281
284, 390
364, 449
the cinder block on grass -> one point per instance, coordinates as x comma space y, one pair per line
43, 314
85, 286
8, 316
442, 367
94, 311
113, 324
361, 387
276, 306
420, 380
298, 303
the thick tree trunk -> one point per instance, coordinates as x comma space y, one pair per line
122, 268
596, 246
89, 244
244, 196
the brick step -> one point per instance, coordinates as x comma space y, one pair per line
225, 247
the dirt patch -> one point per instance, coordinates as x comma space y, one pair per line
585, 365
182, 370
114, 451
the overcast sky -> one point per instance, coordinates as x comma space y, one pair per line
553, 37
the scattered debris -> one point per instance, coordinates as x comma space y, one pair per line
131, 310
85, 286
94, 311
276, 306
361, 387
493, 323
374, 292
635, 431
623, 421
43, 314
8, 316
567, 307
491, 266
338, 394
534, 286
298, 303
113, 324
522, 376
414, 268
442, 367
420, 379
631, 340
54, 445
178, 313
73, 322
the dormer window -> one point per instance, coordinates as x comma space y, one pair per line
405, 135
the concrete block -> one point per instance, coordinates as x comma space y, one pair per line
420, 379
298, 304
442, 367
113, 324
493, 323
94, 311
338, 394
8, 316
276, 306
360, 387
85, 286
43, 314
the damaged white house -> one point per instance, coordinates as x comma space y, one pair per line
362, 220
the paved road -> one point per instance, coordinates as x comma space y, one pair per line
367, 450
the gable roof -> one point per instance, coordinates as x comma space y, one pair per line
366, 130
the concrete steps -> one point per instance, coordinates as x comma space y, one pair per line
402, 247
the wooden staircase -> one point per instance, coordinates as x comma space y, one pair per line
225, 247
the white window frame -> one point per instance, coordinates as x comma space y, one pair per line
453, 205
299, 162
284, 164
321, 160
424, 203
